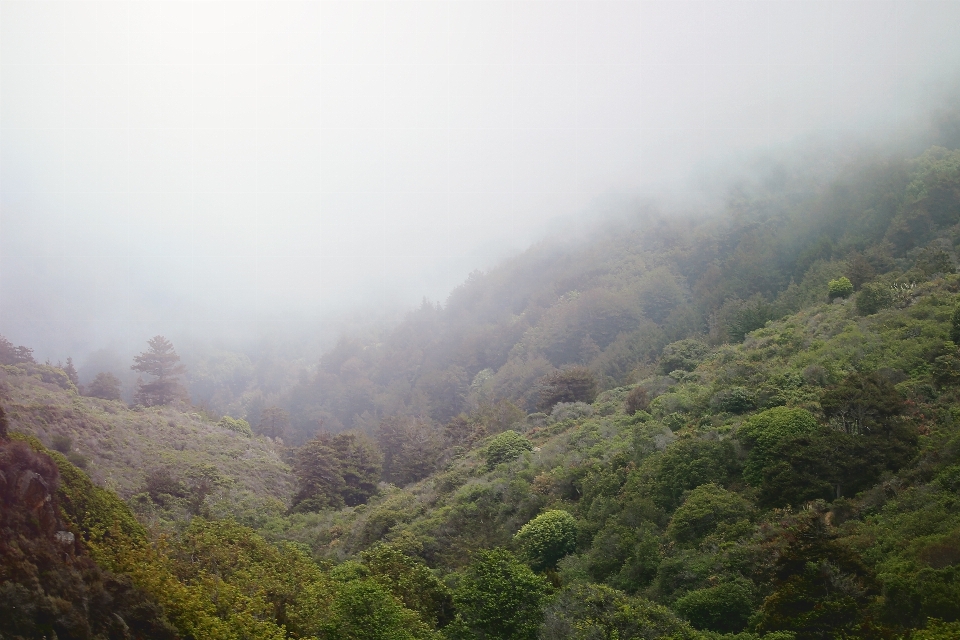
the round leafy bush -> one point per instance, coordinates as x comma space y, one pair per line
499, 597
588, 611
705, 508
734, 400
763, 430
505, 447
725, 607
872, 298
548, 538
840, 288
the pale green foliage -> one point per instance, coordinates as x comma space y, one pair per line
548, 537
238, 425
499, 597
505, 447
840, 288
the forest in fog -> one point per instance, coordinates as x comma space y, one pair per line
467, 320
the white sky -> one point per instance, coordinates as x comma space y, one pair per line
202, 165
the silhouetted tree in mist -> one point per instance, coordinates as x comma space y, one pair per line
163, 363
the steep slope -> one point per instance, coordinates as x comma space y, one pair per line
830, 436
612, 300
167, 462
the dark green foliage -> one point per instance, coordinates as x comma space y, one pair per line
411, 448
704, 510
336, 470
505, 447
873, 297
734, 400
576, 384
955, 325
500, 597
863, 403
105, 385
821, 589
49, 586
4, 425
160, 362
588, 612
840, 288
548, 538
685, 465
684, 355
725, 607
859, 270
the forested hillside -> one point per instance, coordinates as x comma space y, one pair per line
732, 424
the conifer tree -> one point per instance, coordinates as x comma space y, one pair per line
162, 363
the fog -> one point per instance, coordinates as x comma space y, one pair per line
222, 169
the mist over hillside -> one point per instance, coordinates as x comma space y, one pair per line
231, 170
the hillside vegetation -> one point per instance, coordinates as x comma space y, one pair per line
743, 425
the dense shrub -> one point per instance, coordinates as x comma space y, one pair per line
840, 288
499, 597
872, 298
237, 425
505, 447
725, 608
547, 538
576, 384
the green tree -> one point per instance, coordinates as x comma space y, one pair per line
872, 298
821, 589
725, 608
597, 612
162, 363
336, 470
840, 288
548, 538
955, 325
505, 447
71, 372
576, 384
499, 597
683, 355
274, 422
11, 354
862, 403
762, 431
105, 385
704, 510
411, 581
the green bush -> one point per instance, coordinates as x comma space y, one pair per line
872, 298
588, 611
763, 430
840, 288
547, 538
705, 508
506, 447
725, 607
238, 425
499, 597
